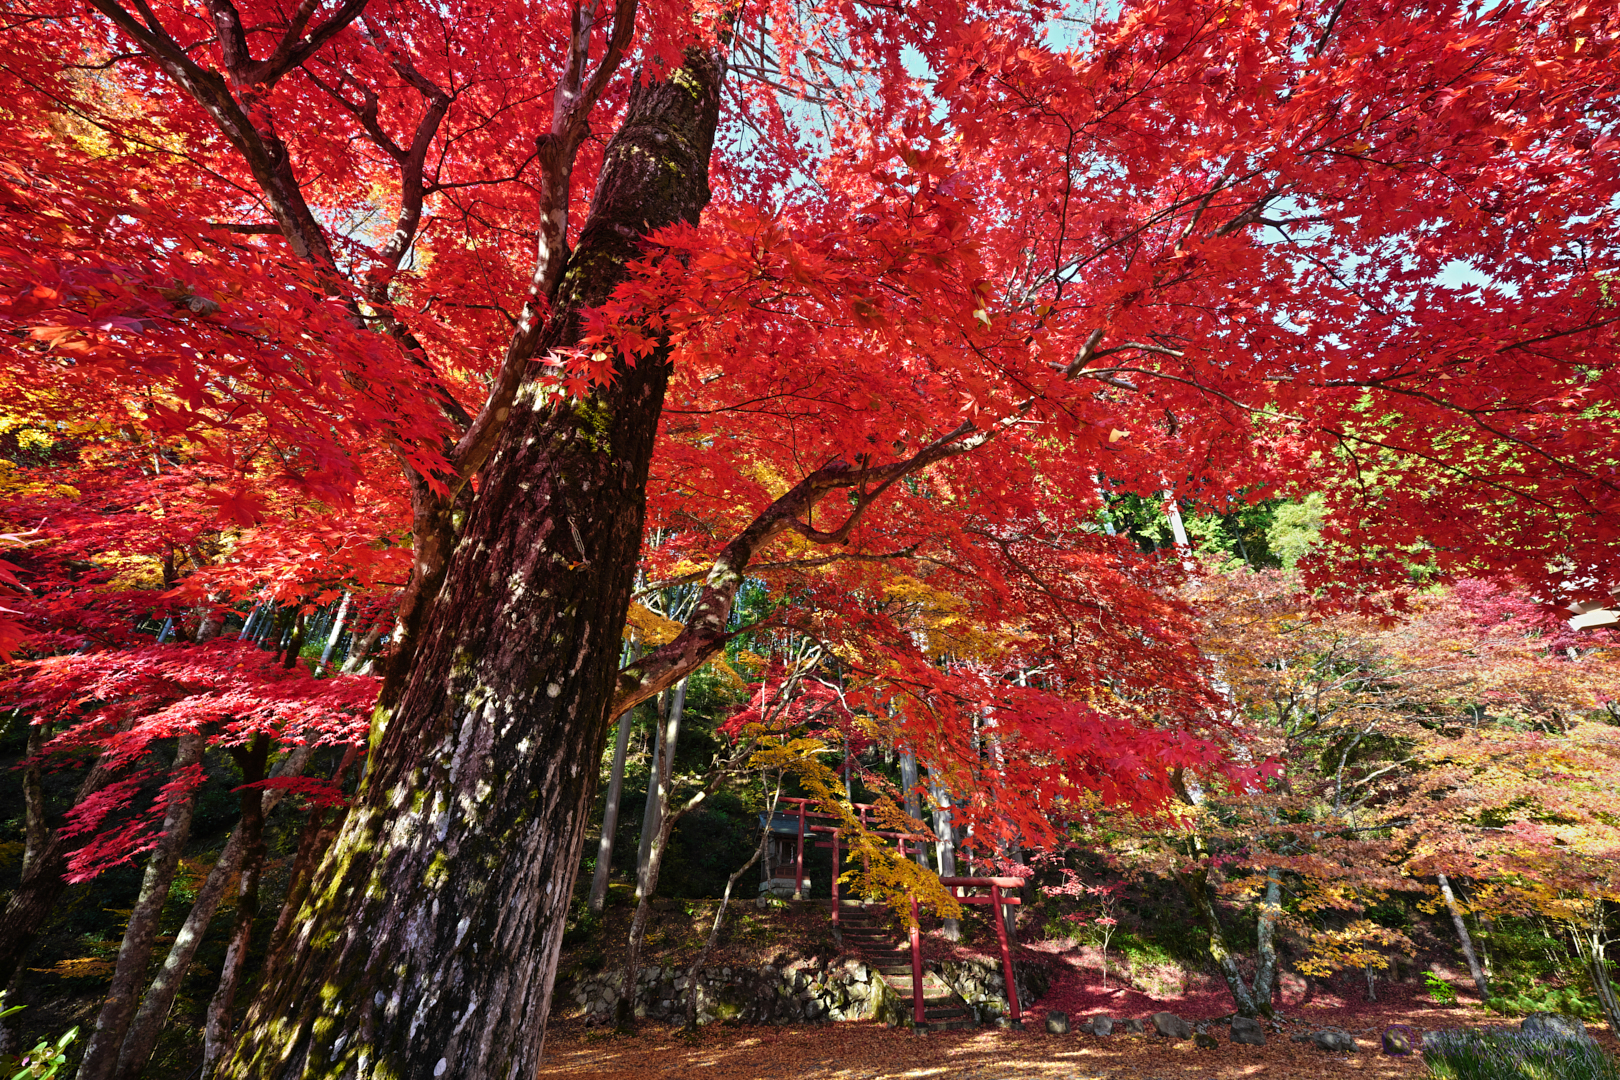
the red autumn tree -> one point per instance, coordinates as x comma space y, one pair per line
961, 265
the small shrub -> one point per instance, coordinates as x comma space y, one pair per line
1506, 1054
1440, 991
43, 1061
1553, 999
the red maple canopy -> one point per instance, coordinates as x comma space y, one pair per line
321, 295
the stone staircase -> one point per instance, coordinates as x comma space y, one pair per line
862, 932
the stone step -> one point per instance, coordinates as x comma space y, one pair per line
949, 1025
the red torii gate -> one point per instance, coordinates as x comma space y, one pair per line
998, 900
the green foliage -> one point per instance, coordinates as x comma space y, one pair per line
707, 845
44, 1060
1265, 534
1506, 1054
1541, 998
1440, 991
1295, 528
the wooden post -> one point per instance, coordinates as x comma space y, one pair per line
833, 879
1000, 920
798, 859
916, 970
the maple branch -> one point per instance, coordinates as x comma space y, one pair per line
412, 162
790, 564
705, 632
1083, 357
267, 158
294, 48
571, 107
1321, 42
260, 228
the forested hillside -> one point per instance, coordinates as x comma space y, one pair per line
473, 475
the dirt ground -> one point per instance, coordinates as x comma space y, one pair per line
869, 1051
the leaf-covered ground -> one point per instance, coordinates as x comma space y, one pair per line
869, 1051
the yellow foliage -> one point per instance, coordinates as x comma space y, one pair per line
133, 571
877, 871
654, 629
84, 967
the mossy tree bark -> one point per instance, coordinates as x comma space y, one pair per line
428, 944
1255, 1001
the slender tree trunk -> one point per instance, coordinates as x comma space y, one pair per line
1591, 945
652, 852
101, 1054
624, 1013
295, 643
658, 781
336, 634
217, 1027
154, 1011
35, 898
428, 945
360, 654
250, 623
610, 818
36, 834
909, 781
1196, 886
945, 850
1480, 982
720, 915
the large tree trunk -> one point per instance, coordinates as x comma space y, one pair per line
101, 1055
1265, 972
320, 829
428, 945
1196, 886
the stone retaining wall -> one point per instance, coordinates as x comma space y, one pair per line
797, 993
981, 983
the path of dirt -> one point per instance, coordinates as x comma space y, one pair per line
869, 1051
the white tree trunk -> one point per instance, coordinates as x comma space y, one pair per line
1474, 969
610, 818
658, 779
337, 633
